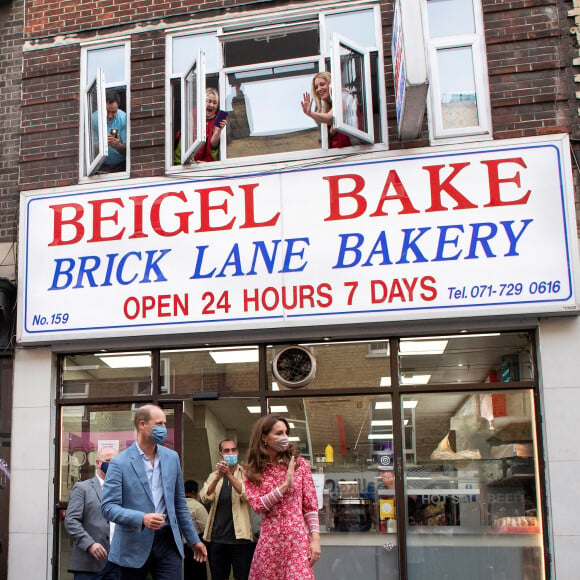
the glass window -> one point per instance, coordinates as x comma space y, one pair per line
105, 121
209, 370
450, 17
357, 25
471, 485
459, 104
111, 60
280, 43
85, 429
184, 47
480, 358
106, 375
348, 441
329, 365
206, 423
95, 122
255, 127
457, 88
352, 81
263, 69
193, 97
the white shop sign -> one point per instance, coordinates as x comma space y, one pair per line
453, 233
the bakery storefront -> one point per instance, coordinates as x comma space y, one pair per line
399, 312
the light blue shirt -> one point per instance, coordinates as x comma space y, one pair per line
153, 472
119, 123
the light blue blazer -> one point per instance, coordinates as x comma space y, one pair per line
127, 498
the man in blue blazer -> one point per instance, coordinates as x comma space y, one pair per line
144, 496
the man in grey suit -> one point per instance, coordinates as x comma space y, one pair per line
145, 497
86, 525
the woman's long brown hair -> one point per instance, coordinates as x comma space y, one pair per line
258, 457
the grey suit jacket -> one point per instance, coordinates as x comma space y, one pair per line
86, 525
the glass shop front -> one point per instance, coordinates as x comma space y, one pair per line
424, 450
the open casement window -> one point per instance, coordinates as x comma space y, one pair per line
193, 133
262, 68
95, 120
351, 89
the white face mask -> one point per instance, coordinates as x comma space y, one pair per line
281, 444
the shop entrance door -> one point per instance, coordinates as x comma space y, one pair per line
84, 430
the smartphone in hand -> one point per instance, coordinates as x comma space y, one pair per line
221, 115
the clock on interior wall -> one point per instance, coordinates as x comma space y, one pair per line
294, 367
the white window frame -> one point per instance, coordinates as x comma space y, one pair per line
193, 99
340, 124
86, 171
246, 25
476, 42
98, 83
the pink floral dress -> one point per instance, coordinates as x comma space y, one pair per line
282, 550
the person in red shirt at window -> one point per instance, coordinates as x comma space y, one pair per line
323, 109
210, 149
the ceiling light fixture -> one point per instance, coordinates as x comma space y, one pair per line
234, 356
407, 379
388, 405
126, 360
422, 347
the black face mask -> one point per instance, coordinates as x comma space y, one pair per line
104, 467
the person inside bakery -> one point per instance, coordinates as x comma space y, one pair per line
193, 570
229, 528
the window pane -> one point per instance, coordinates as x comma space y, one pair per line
353, 89
215, 370
94, 147
193, 113
255, 125
184, 49
279, 44
111, 60
106, 375
337, 365
471, 482
457, 88
450, 17
358, 26
348, 442
85, 429
491, 358
206, 424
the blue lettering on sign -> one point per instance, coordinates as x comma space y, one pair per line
92, 271
431, 244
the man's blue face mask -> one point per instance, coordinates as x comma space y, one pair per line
159, 433
104, 466
230, 459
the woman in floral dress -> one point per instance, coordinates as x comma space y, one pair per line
279, 486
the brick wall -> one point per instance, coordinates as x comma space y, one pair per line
69, 16
529, 45
11, 26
